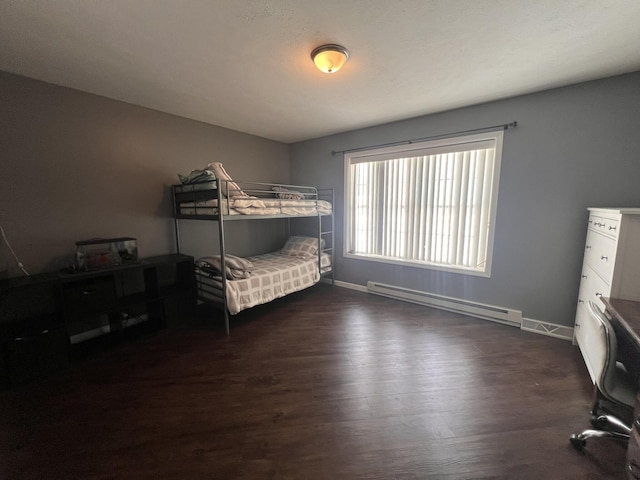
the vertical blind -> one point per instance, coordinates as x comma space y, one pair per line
432, 207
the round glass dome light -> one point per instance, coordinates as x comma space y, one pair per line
329, 58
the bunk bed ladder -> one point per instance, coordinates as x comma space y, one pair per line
329, 193
222, 256
176, 223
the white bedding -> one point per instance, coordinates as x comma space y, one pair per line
257, 206
274, 275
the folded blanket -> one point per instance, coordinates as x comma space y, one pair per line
287, 194
247, 201
197, 176
235, 267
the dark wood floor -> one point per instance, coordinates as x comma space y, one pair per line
325, 384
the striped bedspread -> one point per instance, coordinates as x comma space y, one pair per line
274, 275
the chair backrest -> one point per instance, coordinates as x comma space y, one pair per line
601, 349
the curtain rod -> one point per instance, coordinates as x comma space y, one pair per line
504, 126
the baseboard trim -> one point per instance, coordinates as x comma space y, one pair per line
350, 286
528, 324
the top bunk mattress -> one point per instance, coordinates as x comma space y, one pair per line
212, 193
257, 206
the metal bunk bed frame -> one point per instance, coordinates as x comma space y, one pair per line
198, 192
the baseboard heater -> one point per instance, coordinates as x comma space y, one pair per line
457, 305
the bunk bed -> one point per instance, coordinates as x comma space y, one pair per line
234, 283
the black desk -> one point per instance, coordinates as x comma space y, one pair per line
625, 320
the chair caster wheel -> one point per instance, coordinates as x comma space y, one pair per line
598, 422
578, 442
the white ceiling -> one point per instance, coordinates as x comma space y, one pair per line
245, 65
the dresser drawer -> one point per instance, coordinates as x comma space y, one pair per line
605, 225
592, 287
579, 330
600, 253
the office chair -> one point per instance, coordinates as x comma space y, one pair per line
611, 380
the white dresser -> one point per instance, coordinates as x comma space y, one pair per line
611, 265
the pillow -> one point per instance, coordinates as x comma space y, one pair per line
229, 188
235, 267
284, 193
300, 246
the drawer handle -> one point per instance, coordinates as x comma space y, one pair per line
588, 247
89, 291
580, 301
604, 257
598, 294
584, 276
613, 227
633, 469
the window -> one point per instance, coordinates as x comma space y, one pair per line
429, 204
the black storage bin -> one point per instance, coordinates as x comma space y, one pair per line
36, 354
33, 336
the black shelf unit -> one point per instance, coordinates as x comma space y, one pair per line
48, 318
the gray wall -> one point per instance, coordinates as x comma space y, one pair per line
75, 166
573, 148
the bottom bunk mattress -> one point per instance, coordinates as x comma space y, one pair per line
274, 275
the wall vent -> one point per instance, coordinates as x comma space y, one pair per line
458, 305
545, 328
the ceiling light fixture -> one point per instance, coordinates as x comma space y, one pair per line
329, 58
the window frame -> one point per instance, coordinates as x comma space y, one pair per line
409, 150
